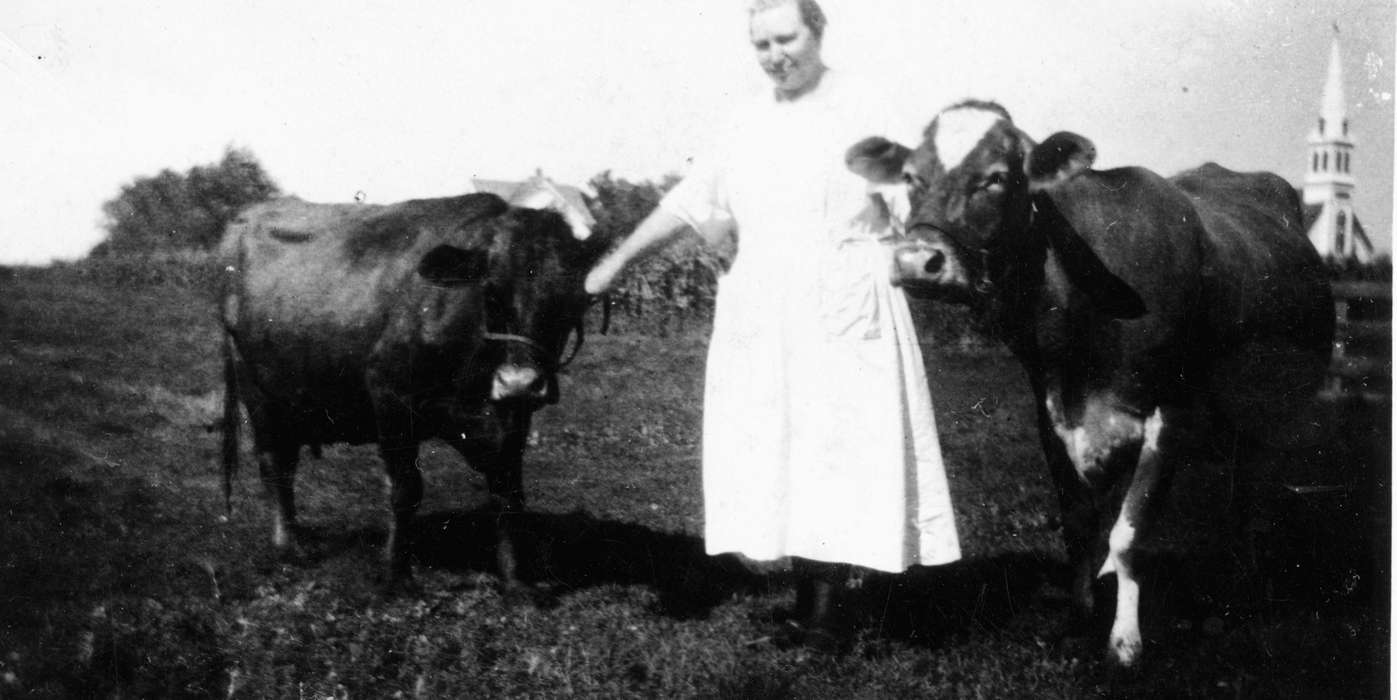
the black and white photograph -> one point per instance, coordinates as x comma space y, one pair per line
696, 349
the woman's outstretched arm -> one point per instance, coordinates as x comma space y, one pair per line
659, 228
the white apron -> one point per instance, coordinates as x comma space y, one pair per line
819, 437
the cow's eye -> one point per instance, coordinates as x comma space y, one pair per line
913, 180
995, 180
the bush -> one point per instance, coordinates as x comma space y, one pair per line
173, 211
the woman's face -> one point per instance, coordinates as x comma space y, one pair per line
786, 49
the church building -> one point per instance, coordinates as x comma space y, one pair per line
1327, 193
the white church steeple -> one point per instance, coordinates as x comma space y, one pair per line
1329, 179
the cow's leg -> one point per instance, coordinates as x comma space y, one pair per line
494, 446
1079, 510
1138, 508
276, 461
277, 451
505, 480
403, 481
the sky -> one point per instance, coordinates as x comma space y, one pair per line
412, 99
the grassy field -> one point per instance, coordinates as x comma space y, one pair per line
120, 578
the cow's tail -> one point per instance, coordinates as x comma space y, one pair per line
231, 420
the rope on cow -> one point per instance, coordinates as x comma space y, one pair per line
538, 348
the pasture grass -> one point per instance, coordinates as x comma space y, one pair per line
119, 577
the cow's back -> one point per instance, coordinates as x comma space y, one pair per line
336, 267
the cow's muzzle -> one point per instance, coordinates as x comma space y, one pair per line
924, 267
917, 260
534, 381
513, 382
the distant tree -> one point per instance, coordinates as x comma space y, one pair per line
183, 211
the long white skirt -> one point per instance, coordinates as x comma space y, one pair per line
819, 436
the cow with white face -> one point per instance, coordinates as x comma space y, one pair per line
1129, 298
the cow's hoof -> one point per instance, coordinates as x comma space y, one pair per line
1125, 652
283, 533
401, 584
788, 634
291, 552
517, 593
818, 639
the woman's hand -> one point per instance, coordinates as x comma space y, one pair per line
603, 277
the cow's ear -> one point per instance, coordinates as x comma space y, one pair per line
877, 159
1111, 295
449, 266
1060, 157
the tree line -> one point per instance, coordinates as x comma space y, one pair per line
180, 216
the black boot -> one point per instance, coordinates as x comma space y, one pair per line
827, 629
805, 599
819, 621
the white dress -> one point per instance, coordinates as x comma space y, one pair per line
819, 438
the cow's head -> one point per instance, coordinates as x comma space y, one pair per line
528, 266
971, 185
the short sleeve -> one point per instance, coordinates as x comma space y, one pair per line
896, 201
894, 194
701, 201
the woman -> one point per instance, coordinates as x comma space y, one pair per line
819, 440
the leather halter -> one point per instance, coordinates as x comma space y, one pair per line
541, 352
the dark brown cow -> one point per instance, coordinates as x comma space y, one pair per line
435, 318
1130, 299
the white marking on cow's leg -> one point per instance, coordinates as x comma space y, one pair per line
1137, 509
1126, 642
1065, 432
278, 471
404, 485
1081, 450
1154, 425
281, 532
1125, 630
958, 131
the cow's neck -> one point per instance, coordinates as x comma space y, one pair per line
1016, 275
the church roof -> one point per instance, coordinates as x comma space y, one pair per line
1333, 107
507, 189
1311, 213
504, 189
540, 191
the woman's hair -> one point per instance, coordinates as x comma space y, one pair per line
810, 13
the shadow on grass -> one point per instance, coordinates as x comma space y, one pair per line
567, 552
562, 552
927, 605
559, 553
1318, 554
